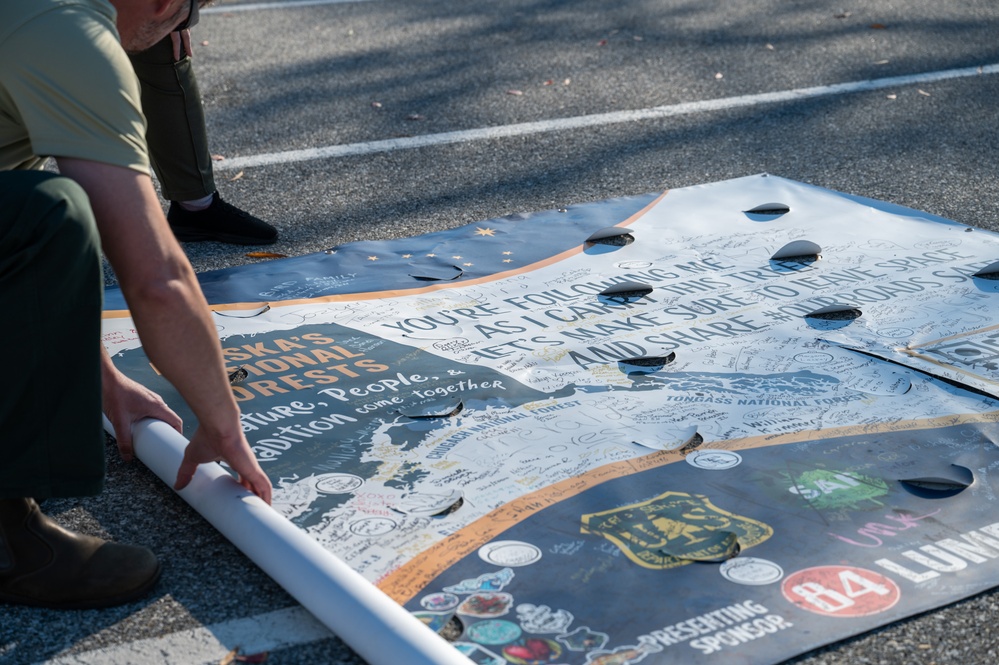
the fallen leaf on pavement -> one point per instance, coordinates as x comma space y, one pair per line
266, 255
218, 158
516, 93
235, 657
236, 177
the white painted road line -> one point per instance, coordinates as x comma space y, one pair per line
560, 124
255, 6
209, 644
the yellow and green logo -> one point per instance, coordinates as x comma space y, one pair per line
674, 529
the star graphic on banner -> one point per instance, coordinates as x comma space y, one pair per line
372, 258
484, 232
507, 260
507, 253
431, 255
467, 265
456, 257
407, 256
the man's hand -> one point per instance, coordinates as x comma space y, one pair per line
235, 452
181, 45
126, 402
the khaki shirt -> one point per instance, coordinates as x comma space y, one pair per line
67, 88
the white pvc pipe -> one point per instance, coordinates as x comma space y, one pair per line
374, 625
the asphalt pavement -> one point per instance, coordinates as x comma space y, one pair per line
359, 120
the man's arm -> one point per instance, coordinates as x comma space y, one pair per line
170, 313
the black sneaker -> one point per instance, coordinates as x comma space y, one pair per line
219, 221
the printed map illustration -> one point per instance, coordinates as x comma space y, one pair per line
730, 423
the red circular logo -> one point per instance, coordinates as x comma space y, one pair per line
841, 591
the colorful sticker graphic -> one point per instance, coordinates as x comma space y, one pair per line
830, 490
533, 651
486, 605
714, 460
584, 639
542, 619
841, 591
487, 582
688, 525
625, 655
510, 553
439, 602
493, 632
751, 571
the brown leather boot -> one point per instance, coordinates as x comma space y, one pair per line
44, 565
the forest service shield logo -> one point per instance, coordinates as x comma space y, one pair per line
674, 529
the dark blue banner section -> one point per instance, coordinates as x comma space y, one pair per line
834, 536
501, 244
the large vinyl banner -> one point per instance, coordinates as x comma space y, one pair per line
728, 424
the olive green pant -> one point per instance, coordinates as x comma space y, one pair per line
51, 291
175, 133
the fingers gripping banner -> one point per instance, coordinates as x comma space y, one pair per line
731, 423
